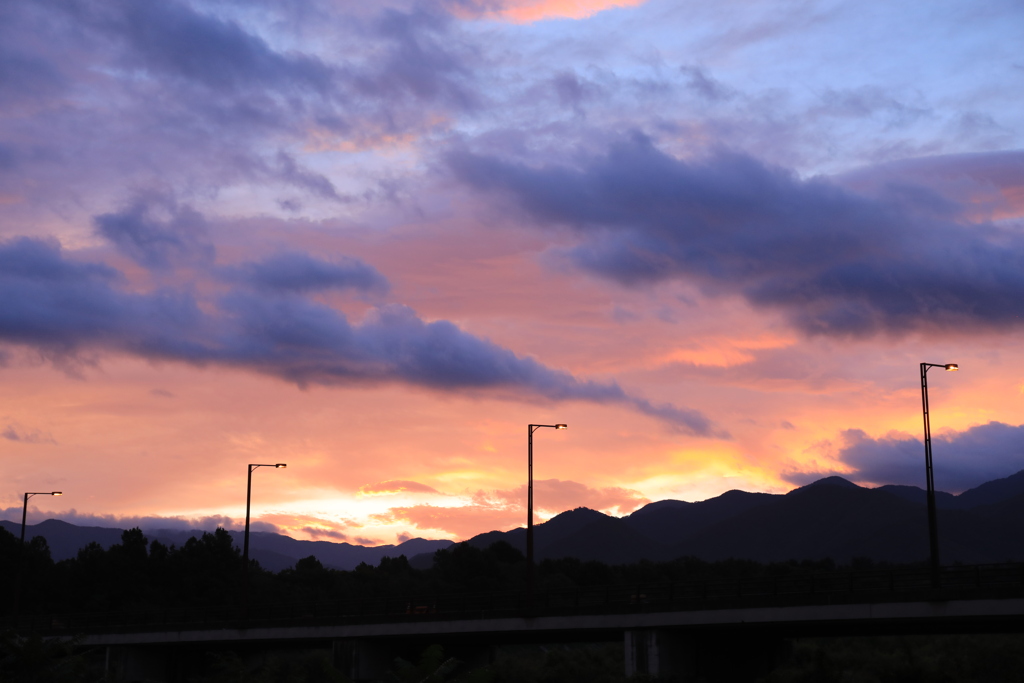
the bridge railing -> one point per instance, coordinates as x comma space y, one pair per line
957, 582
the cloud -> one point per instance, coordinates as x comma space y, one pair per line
961, 460
172, 39
835, 262
64, 308
423, 60
318, 533
144, 522
703, 85
27, 77
289, 171
506, 509
21, 435
156, 232
294, 271
555, 495
463, 522
393, 486
200, 96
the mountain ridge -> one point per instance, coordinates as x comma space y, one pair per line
831, 517
273, 551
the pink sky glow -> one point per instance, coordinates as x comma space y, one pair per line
377, 243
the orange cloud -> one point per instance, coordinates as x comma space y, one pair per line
387, 488
464, 522
555, 495
505, 509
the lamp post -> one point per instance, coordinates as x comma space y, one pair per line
249, 498
529, 511
245, 543
933, 529
21, 549
24, 509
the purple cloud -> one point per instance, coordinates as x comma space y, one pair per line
298, 272
157, 233
63, 308
182, 95
33, 436
423, 58
837, 263
174, 40
961, 460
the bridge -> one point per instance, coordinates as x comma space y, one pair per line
682, 629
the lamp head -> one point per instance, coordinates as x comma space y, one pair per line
561, 426
57, 493
951, 366
280, 465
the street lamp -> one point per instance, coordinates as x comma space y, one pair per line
933, 529
529, 510
24, 508
21, 550
248, 501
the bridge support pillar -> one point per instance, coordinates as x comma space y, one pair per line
139, 663
658, 653
363, 660
711, 657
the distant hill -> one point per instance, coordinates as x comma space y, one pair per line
830, 518
273, 551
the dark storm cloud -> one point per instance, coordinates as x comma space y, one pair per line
961, 460
295, 271
838, 263
62, 308
157, 232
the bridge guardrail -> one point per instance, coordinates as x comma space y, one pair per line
957, 582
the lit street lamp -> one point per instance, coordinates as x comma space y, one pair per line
248, 501
933, 529
24, 508
529, 512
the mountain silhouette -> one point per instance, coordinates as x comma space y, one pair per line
273, 551
830, 518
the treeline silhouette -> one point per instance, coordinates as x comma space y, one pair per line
207, 571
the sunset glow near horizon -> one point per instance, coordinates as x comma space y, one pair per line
375, 241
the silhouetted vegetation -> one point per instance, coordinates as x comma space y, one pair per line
285, 667
33, 659
905, 659
207, 572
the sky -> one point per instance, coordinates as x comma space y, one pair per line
376, 241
